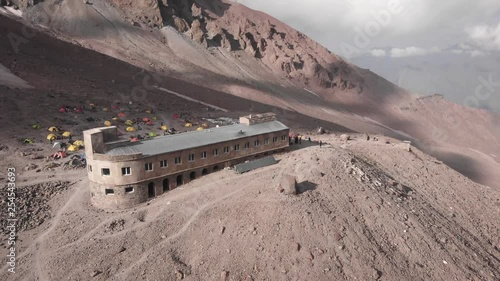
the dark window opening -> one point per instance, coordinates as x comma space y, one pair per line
180, 180
129, 189
204, 172
166, 185
216, 168
151, 190
109, 191
192, 175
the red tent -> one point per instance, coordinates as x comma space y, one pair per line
150, 123
134, 139
176, 116
62, 110
146, 119
115, 107
121, 114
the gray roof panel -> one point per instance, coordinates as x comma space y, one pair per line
183, 141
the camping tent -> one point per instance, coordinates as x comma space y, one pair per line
149, 111
204, 125
130, 129
150, 123
79, 143
66, 134
105, 109
146, 119
134, 139
73, 148
153, 134
57, 145
35, 126
51, 137
107, 123
200, 129
59, 154
129, 123
164, 128
53, 129
121, 114
188, 125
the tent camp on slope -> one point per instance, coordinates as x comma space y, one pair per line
200, 129
164, 128
153, 134
129, 123
53, 129
59, 154
66, 134
51, 137
130, 129
107, 123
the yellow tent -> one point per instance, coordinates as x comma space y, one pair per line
79, 143
51, 137
188, 125
149, 111
129, 123
107, 123
130, 129
164, 128
105, 109
73, 148
115, 118
204, 125
66, 134
200, 129
53, 129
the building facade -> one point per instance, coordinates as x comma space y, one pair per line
123, 174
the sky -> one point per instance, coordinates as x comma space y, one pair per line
450, 47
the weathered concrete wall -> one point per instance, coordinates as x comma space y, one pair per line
140, 179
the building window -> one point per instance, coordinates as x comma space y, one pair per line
215, 152
247, 145
257, 143
109, 191
283, 137
90, 168
105, 172
275, 139
163, 164
204, 155
236, 147
129, 189
226, 149
126, 171
191, 157
148, 166
178, 160
266, 141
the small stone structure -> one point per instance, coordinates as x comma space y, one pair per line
288, 184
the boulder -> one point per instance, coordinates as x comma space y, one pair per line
288, 184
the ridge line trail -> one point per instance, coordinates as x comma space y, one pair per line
186, 192
38, 243
183, 229
53, 222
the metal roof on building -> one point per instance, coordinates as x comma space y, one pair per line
183, 141
255, 164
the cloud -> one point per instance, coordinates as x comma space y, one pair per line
412, 51
485, 37
378, 53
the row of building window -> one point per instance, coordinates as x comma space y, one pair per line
126, 171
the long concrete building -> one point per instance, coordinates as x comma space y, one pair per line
123, 174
